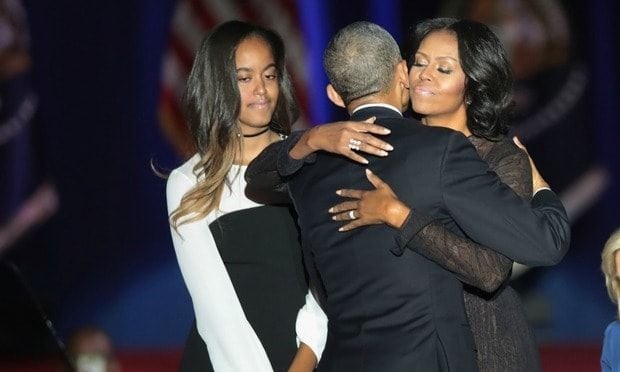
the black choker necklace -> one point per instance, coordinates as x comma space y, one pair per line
255, 134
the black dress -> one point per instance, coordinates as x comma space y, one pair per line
503, 338
260, 249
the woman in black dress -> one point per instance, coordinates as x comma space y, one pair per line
460, 78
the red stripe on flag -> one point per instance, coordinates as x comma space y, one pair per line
248, 12
291, 10
171, 104
301, 94
172, 122
180, 52
203, 14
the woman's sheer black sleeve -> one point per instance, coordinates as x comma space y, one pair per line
474, 264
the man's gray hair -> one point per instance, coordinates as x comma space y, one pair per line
360, 60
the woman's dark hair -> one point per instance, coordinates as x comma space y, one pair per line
212, 104
212, 101
488, 87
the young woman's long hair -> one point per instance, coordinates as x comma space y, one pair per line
212, 104
608, 266
488, 86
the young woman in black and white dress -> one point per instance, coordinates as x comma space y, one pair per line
240, 260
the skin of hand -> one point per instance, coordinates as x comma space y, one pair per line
373, 207
537, 181
304, 361
336, 137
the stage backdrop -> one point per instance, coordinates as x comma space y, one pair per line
107, 76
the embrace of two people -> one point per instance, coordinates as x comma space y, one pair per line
393, 293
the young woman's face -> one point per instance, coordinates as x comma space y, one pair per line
257, 78
437, 81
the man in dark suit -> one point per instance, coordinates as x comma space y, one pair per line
401, 312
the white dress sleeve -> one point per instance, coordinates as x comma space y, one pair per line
311, 326
232, 343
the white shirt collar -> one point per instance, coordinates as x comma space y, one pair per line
385, 105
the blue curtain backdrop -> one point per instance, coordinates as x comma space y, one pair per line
106, 257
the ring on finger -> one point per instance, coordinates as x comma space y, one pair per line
354, 144
352, 215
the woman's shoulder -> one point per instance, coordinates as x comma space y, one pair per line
505, 150
187, 168
613, 329
182, 177
610, 360
502, 143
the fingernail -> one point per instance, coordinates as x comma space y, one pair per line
368, 171
339, 192
331, 210
389, 147
365, 161
383, 153
334, 218
341, 229
385, 130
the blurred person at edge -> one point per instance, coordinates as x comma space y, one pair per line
610, 357
91, 350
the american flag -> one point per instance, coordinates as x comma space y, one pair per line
192, 20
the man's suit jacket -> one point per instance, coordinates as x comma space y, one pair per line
402, 312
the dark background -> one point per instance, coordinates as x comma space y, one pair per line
106, 258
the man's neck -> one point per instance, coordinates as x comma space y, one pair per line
383, 105
373, 101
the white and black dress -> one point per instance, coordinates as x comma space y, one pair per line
242, 266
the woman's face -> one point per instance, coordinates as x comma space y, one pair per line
437, 81
257, 78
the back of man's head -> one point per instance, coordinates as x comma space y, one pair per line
360, 60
